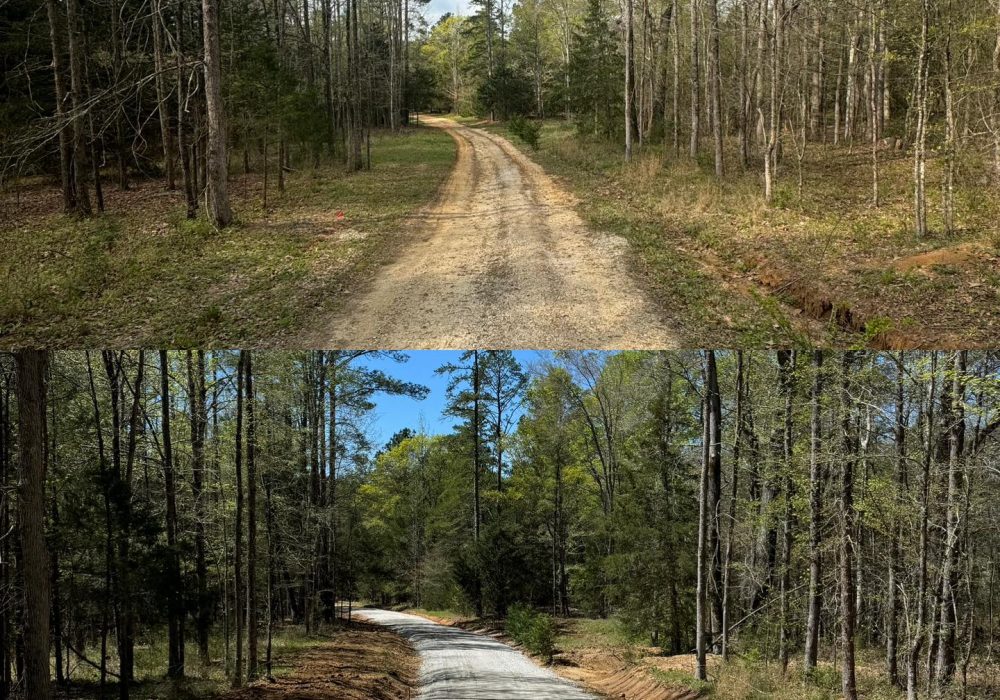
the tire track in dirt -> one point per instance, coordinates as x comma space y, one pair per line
500, 260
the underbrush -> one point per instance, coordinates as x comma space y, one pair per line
535, 631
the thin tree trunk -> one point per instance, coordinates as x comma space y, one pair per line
252, 650
734, 492
695, 82
815, 517
65, 128
160, 66
715, 85
786, 362
848, 603
701, 612
950, 133
175, 663
217, 161
629, 79
238, 589
917, 638
77, 92
920, 142
188, 168
892, 595
196, 400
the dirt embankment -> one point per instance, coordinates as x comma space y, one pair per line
359, 662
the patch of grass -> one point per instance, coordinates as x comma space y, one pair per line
680, 679
145, 275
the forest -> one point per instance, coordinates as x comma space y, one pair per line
833, 165
824, 517
114, 90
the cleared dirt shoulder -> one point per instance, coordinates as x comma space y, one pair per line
501, 260
359, 662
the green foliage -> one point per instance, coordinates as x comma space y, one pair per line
595, 75
533, 630
506, 94
526, 130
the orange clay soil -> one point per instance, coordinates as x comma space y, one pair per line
359, 662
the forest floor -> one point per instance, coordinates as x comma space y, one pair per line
143, 275
359, 662
603, 656
819, 266
502, 260
353, 660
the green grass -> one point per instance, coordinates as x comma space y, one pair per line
144, 275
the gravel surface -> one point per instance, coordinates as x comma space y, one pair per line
461, 665
501, 260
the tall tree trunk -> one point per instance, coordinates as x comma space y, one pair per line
629, 78
160, 66
252, 650
848, 603
715, 85
238, 589
184, 149
786, 363
919, 632
874, 103
217, 161
814, 600
892, 595
64, 126
715, 493
950, 131
196, 400
31, 367
816, 106
774, 111
734, 492
175, 663
79, 108
477, 513
948, 616
695, 81
701, 610
920, 141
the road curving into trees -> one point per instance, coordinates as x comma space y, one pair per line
501, 259
456, 663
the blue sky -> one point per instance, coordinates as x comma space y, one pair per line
393, 413
436, 8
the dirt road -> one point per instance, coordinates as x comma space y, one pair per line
501, 260
457, 664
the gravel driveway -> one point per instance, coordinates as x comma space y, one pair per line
460, 665
501, 260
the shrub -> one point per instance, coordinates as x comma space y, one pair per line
525, 129
534, 631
